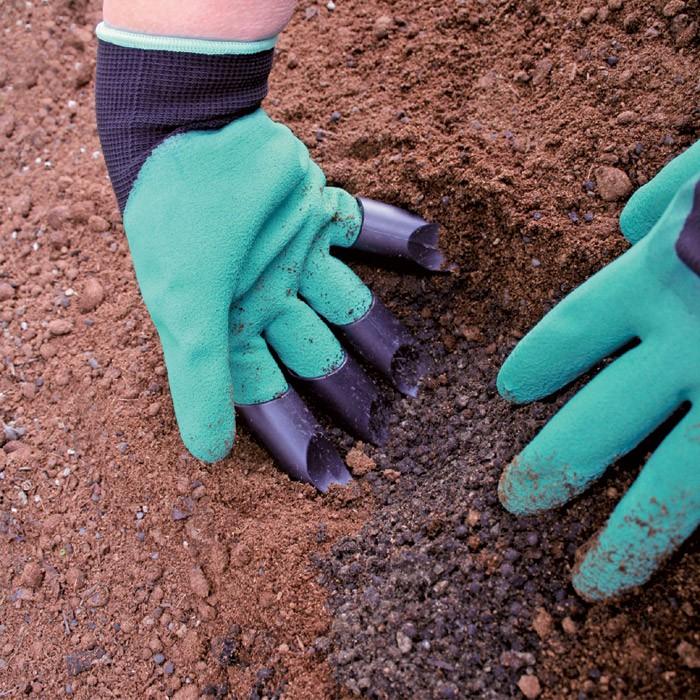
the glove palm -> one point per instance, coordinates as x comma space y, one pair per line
652, 295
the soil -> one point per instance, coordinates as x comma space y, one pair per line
129, 569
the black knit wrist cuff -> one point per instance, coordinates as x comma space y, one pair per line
144, 96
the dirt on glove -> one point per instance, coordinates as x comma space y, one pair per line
128, 569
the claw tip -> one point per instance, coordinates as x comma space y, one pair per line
408, 367
324, 465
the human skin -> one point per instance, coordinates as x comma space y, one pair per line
242, 20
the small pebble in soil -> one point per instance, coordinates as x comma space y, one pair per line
82, 661
626, 117
60, 326
588, 14
613, 184
92, 295
7, 291
382, 26
11, 433
183, 509
403, 642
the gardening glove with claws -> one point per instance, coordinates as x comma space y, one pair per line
650, 294
230, 226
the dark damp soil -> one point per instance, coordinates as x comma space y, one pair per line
445, 595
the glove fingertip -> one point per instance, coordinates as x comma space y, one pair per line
592, 582
634, 224
587, 589
508, 385
208, 448
515, 496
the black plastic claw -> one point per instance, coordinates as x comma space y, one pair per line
388, 230
291, 434
383, 341
349, 394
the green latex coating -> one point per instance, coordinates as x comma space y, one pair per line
643, 530
648, 203
228, 230
650, 294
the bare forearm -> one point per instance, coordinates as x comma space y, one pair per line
243, 20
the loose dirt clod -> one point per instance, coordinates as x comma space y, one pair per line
218, 559
32, 575
542, 624
569, 626
92, 295
690, 654
57, 216
60, 326
530, 687
613, 183
588, 14
382, 26
358, 462
198, 582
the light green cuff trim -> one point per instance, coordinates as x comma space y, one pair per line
211, 47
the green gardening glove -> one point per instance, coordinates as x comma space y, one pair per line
651, 293
230, 226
